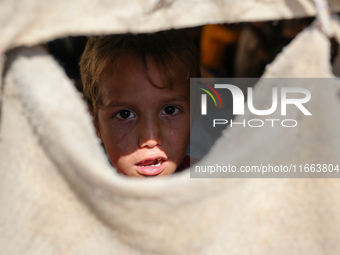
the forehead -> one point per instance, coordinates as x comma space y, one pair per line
129, 76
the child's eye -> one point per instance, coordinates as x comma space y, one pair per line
170, 110
125, 114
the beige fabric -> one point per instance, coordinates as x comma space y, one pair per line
59, 195
31, 22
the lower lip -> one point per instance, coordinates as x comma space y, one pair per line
151, 170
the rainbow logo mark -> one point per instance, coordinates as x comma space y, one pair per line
204, 98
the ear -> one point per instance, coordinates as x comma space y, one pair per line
96, 125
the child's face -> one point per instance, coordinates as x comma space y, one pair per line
145, 129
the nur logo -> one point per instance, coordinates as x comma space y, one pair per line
204, 98
239, 99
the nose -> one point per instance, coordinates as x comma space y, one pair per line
150, 134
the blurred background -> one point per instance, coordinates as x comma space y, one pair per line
239, 50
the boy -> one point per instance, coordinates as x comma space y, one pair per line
137, 89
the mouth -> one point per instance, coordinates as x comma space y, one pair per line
151, 166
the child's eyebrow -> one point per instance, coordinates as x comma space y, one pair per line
116, 103
174, 99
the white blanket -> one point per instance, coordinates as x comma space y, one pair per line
59, 195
